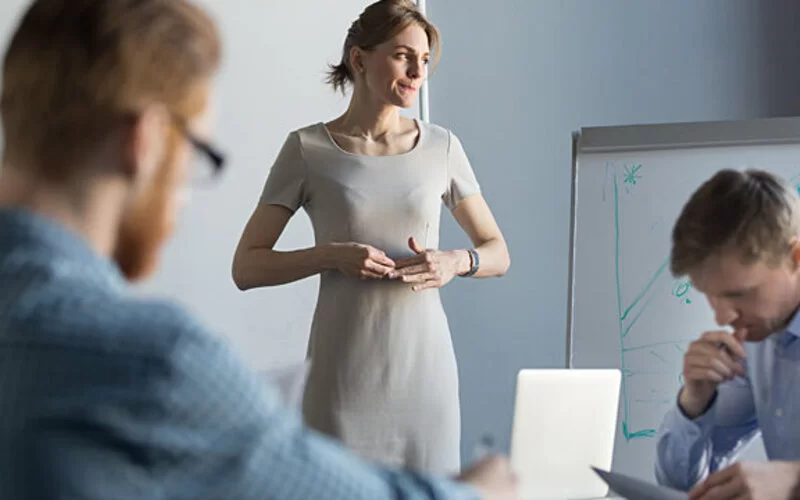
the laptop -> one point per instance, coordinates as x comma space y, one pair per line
564, 424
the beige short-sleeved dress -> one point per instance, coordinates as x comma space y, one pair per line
383, 377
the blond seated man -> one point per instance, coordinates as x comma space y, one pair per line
738, 240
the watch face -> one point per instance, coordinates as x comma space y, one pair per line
474, 262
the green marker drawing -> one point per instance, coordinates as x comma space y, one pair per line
629, 313
681, 289
632, 175
660, 358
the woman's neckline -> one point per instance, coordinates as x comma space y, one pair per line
420, 134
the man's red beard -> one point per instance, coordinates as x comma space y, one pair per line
145, 227
138, 246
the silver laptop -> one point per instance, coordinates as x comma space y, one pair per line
564, 423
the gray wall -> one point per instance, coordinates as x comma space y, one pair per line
516, 78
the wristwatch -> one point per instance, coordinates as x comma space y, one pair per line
474, 263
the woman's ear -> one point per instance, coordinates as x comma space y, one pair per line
357, 60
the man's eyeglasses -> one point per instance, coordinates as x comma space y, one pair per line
213, 159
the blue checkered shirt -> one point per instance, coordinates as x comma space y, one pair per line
108, 396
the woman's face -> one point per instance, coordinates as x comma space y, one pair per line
394, 71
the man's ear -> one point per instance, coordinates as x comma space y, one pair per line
145, 143
794, 253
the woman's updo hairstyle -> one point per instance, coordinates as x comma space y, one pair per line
378, 23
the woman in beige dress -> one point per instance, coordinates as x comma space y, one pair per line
383, 376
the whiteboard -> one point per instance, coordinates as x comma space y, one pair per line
625, 309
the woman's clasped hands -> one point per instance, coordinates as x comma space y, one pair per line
426, 269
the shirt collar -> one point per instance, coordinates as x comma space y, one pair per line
26, 229
793, 328
791, 333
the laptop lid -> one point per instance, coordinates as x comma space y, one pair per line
564, 424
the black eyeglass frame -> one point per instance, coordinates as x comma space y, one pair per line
211, 152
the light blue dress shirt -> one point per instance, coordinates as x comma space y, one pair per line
106, 396
768, 400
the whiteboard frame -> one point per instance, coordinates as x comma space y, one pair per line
663, 136
573, 213
689, 135
424, 99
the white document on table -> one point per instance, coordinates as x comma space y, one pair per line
636, 489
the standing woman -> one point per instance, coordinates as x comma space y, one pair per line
383, 377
